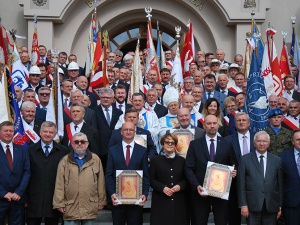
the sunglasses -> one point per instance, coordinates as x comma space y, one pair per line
44, 94
169, 142
80, 142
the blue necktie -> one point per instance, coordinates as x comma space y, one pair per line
298, 163
208, 94
212, 150
107, 116
47, 150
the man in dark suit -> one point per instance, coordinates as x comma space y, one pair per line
127, 156
30, 123
34, 79
222, 85
43, 55
44, 158
260, 183
291, 172
120, 96
242, 144
82, 84
210, 92
106, 120
89, 115
41, 108
208, 148
197, 92
289, 86
45, 80
15, 174
79, 125
131, 115
152, 105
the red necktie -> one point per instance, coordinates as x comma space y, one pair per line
9, 157
127, 155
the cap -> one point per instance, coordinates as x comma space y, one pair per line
171, 95
223, 67
214, 61
73, 66
275, 112
234, 65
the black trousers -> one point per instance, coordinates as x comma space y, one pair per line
262, 218
38, 221
14, 212
127, 214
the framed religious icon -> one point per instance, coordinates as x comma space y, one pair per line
129, 186
141, 139
185, 136
217, 180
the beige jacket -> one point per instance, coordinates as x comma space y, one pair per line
79, 190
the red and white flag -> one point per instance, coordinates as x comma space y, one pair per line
187, 55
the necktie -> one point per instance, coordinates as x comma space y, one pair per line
9, 157
47, 150
66, 103
245, 145
120, 107
212, 150
289, 92
223, 92
295, 118
298, 163
107, 116
127, 155
44, 108
208, 94
261, 165
75, 127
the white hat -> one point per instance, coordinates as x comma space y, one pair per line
35, 70
214, 61
234, 65
127, 57
224, 66
61, 71
171, 95
73, 66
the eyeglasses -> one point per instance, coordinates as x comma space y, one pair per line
44, 94
169, 142
118, 55
34, 75
77, 142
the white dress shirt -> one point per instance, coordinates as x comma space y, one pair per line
50, 146
109, 111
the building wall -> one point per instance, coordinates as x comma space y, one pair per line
218, 24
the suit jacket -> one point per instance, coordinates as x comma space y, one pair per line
105, 130
199, 132
89, 118
254, 189
197, 158
160, 110
234, 140
231, 93
17, 179
218, 95
117, 138
127, 106
93, 99
92, 136
40, 113
291, 179
42, 180
116, 161
296, 95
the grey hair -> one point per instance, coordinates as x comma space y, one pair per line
78, 104
80, 134
152, 89
28, 104
106, 90
75, 90
49, 124
262, 132
240, 114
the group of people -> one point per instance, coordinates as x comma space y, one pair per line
77, 177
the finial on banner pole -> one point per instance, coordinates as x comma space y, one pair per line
252, 14
293, 18
138, 35
284, 34
148, 10
177, 37
95, 6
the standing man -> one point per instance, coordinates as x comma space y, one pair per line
260, 183
289, 92
152, 105
15, 174
291, 122
208, 148
82, 84
79, 188
127, 156
120, 96
291, 172
44, 158
107, 118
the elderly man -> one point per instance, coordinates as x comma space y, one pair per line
31, 125
41, 108
223, 85
127, 155
151, 103
88, 185
188, 101
220, 55
151, 79
283, 104
291, 122
273, 100
197, 92
15, 174
198, 78
208, 148
44, 158
82, 84
66, 88
280, 137
188, 84
260, 183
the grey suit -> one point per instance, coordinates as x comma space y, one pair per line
260, 193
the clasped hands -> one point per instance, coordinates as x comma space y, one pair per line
170, 191
12, 197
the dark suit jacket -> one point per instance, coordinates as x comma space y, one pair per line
197, 158
296, 96
199, 132
36, 128
40, 113
89, 118
254, 188
160, 110
42, 180
231, 93
291, 179
127, 106
92, 136
117, 138
234, 140
105, 130
116, 161
218, 95
17, 179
